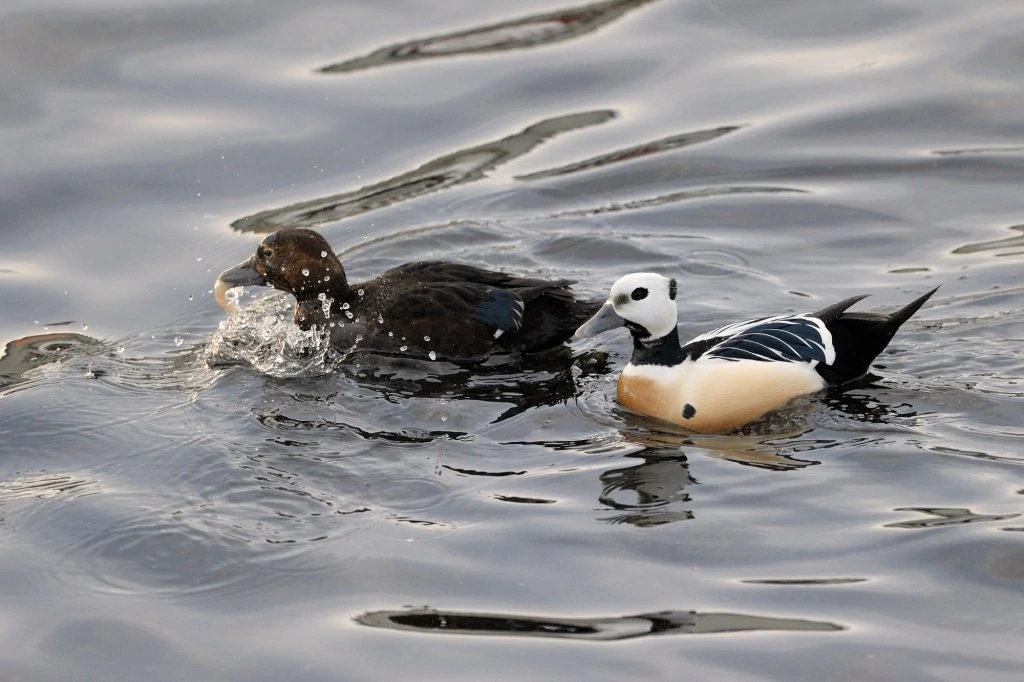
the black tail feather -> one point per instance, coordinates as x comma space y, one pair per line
859, 338
829, 314
900, 316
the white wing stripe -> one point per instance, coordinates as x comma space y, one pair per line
797, 339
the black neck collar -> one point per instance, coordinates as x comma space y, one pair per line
664, 351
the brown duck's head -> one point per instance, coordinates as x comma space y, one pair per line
298, 261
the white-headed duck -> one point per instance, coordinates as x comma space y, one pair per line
729, 377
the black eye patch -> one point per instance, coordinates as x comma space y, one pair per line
639, 294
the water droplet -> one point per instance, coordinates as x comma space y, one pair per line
426, 338
190, 297
178, 340
432, 355
348, 314
321, 296
444, 418
359, 337
305, 272
323, 254
327, 278
360, 292
120, 349
85, 327
391, 334
380, 319
403, 348
344, 306
35, 321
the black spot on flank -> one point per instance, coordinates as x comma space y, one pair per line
639, 294
672, 288
688, 411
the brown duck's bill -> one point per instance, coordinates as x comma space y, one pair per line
242, 275
604, 319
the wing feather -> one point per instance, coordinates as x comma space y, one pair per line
800, 339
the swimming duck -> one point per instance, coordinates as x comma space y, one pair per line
427, 309
731, 376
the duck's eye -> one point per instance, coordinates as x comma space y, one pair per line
639, 294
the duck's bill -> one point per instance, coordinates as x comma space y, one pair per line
242, 275
604, 319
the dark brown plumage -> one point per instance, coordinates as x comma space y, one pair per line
457, 312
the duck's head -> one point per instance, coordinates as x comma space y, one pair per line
643, 302
298, 261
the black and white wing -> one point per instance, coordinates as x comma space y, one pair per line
798, 338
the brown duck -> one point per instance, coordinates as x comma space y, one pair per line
431, 309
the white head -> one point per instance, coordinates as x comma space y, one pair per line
645, 302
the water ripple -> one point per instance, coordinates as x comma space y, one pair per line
444, 172
630, 153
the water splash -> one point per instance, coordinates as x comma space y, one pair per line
264, 336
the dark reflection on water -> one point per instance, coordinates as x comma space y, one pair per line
1016, 242
531, 31
657, 146
465, 165
588, 629
939, 517
805, 581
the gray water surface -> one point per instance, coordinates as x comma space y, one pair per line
169, 514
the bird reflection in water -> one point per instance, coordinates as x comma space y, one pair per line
525, 382
530, 382
655, 489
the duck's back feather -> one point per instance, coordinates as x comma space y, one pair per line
467, 312
840, 345
789, 339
